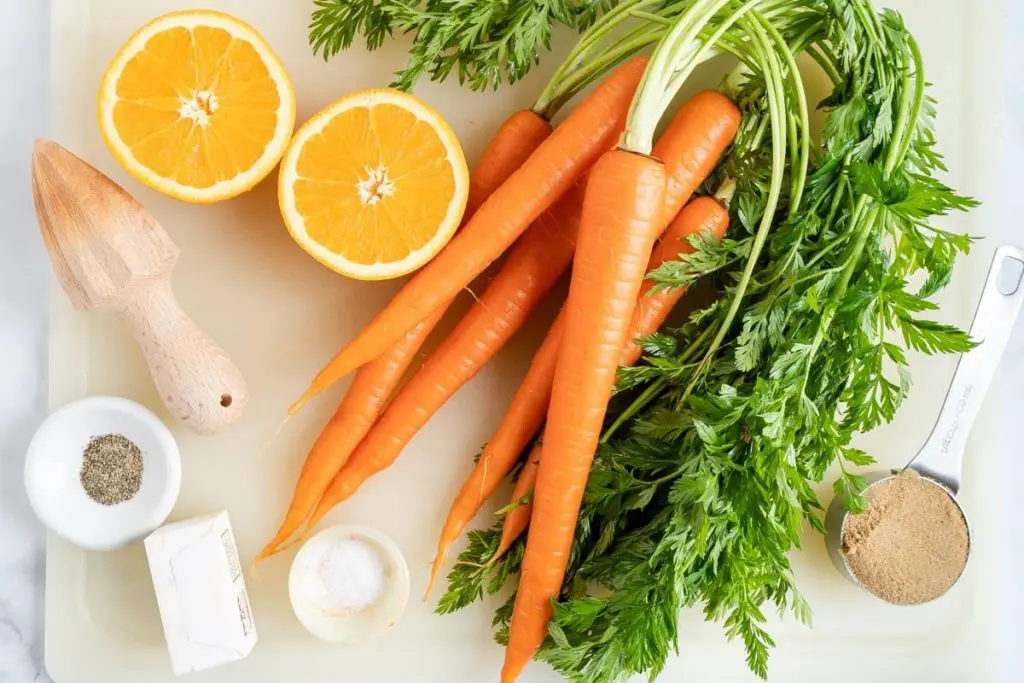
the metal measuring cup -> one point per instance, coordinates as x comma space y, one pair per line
940, 460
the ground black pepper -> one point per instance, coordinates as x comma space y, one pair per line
111, 469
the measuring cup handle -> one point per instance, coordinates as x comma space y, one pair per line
994, 319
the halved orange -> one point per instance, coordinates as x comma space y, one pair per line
374, 185
197, 105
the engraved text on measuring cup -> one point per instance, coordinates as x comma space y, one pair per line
958, 410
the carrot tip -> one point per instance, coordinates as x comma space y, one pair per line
430, 586
435, 570
297, 406
277, 432
298, 540
253, 567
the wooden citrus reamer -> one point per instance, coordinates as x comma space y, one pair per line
110, 254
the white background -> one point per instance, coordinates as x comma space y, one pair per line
24, 281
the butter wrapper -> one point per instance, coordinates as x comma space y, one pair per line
200, 590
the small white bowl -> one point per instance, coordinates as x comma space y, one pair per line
54, 462
305, 592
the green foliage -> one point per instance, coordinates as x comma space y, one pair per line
484, 42
473, 576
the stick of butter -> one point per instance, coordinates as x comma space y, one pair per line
201, 593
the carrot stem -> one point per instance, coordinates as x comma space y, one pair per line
591, 57
773, 79
647, 107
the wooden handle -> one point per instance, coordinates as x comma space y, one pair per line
197, 381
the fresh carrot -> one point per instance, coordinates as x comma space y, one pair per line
523, 418
373, 384
623, 214
518, 518
557, 164
690, 147
366, 397
621, 221
703, 215
532, 267
512, 144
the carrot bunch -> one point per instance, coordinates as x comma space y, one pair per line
626, 208
689, 148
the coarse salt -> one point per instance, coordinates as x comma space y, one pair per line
353, 576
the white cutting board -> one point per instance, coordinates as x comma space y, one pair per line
281, 316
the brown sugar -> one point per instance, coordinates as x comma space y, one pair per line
911, 543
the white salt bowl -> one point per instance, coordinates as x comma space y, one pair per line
308, 598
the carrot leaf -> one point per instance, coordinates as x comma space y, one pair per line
484, 43
472, 578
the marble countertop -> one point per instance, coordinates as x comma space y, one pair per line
24, 282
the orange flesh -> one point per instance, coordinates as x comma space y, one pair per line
197, 106
374, 184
